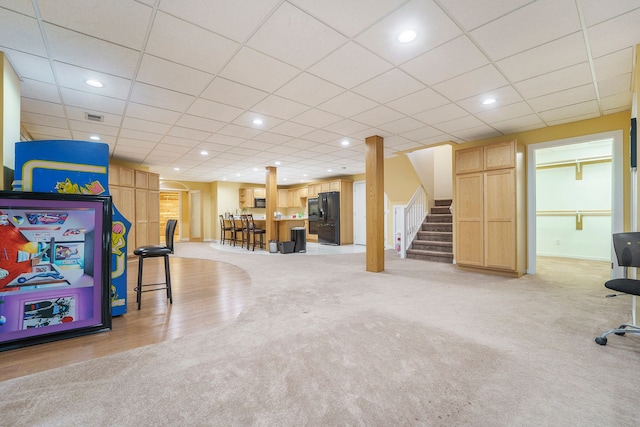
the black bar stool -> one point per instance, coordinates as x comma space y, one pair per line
155, 251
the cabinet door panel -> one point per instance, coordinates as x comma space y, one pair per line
499, 245
469, 219
500, 219
499, 156
500, 195
469, 160
469, 243
469, 197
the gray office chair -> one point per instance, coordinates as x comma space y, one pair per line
627, 248
155, 251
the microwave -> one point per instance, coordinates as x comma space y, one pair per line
259, 203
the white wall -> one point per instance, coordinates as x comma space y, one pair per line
443, 172
558, 189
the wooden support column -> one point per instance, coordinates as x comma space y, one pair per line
374, 159
271, 186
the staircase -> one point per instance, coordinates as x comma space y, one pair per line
434, 242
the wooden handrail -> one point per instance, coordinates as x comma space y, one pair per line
578, 214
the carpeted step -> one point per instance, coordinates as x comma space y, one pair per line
430, 256
443, 202
434, 236
439, 218
440, 210
437, 226
427, 245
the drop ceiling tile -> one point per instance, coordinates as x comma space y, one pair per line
147, 112
476, 13
537, 23
440, 114
501, 113
607, 37
504, 96
144, 125
43, 120
142, 145
41, 107
210, 109
38, 90
257, 145
273, 138
102, 19
473, 83
92, 102
346, 127
80, 115
480, 132
182, 142
160, 97
78, 49
403, 125
433, 26
246, 119
49, 131
561, 120
459, 124
292, 129
316, 118
292, 36
227, 140
349, 66
239, 131
422, 133
389, 86
377, 116
140, 135
576, 75
199, 123
616, 103
566, 97
570, 111
20, 6
181, 42
29, 66
552, 56
449, 60
437, 139
615, 85
99, 129
347, 104
75, 77
596, 11
322, 136
615, 64
227, 92
258, 70
21, 33
279, 107
229, 19
171, 149
521, 124
425, 99
169, 75
309, 90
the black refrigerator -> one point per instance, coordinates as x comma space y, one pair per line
329, 218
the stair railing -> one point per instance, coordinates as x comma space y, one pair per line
414, 214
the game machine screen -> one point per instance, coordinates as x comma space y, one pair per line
55, 254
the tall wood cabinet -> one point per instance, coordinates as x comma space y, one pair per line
136, 194
489, 208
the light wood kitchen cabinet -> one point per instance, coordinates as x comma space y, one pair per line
283, 198
259, 193
304, 192
489, 208
245, 197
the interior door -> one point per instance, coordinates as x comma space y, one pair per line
195, 213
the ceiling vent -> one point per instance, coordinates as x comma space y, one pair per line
94, 117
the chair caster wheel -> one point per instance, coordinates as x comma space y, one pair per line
601, 341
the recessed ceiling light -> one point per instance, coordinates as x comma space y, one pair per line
407, 36
255, 169
94, 138
204, 152
257, 121
94, 83
328, 170
345, 142
488, 101
176, 169
277, 163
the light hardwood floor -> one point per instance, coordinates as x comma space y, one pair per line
205, 293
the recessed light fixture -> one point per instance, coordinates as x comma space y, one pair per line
407, 36
94, 138
345, 142
257, 121
94, 83
277, 163
176, 169
328, 170
204, 152
255, 169
488, 101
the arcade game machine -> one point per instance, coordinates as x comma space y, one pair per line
76, 167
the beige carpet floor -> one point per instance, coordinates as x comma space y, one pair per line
322, 342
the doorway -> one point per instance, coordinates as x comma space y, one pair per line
566, 219
170, 203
